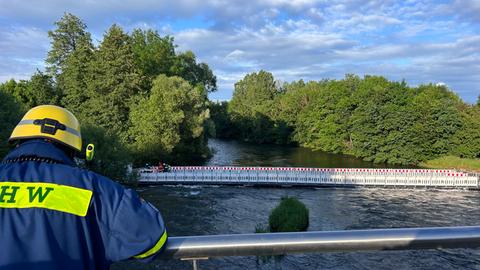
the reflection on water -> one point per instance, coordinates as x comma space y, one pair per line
201, 210
245, 154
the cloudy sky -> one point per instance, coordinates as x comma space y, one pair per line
419, 41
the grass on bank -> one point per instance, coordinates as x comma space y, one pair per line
452, 162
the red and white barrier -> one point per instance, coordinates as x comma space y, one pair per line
306, 169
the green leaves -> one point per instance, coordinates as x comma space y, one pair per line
291, 215
155, 55
114, 80
10, 114
371, 117
169, 122
466, 140
112, 157
251, 109
131, 90
69, 35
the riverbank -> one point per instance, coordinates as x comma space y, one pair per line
452, 162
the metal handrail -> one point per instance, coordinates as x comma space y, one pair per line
191, 247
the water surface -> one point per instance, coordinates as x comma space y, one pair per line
203, 210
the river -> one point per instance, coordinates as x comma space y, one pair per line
201, 210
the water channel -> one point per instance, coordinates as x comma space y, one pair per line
201, 210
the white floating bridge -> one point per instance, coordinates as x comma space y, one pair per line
321, 177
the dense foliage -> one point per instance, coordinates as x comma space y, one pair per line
291, 215
10, 113
112, 158
129, 90
170, 121
222, 126
371, 118
252, 106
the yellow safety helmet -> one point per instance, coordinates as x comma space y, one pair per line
51, 122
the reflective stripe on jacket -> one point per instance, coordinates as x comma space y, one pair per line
54, 215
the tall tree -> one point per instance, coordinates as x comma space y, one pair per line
251, 106
154, 55
73, 81
185, 66
114, 83
65, 39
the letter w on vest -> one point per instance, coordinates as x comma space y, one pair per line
51, 196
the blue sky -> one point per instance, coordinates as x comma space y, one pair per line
419, 41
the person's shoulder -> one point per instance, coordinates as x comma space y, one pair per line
99, 182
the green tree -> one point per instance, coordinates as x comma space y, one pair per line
295, 98
114, 83
251, 107
154, 55
111, 158
466, 141
10, 114
41, 90
21, 93
382, 122
73, 81
371, 118
70, 34
68, 61
436, 120
323, 123
185, 66
170, 122
8, 87
219, 115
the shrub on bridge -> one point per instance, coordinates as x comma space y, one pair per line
290, 215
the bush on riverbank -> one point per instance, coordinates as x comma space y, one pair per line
290, 215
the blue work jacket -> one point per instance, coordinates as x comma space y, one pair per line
54, 215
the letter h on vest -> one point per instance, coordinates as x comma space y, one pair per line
4, 193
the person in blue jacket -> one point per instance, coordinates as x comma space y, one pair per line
55, 215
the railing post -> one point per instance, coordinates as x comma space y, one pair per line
478, 178
194, 262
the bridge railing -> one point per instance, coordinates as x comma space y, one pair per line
204, 247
